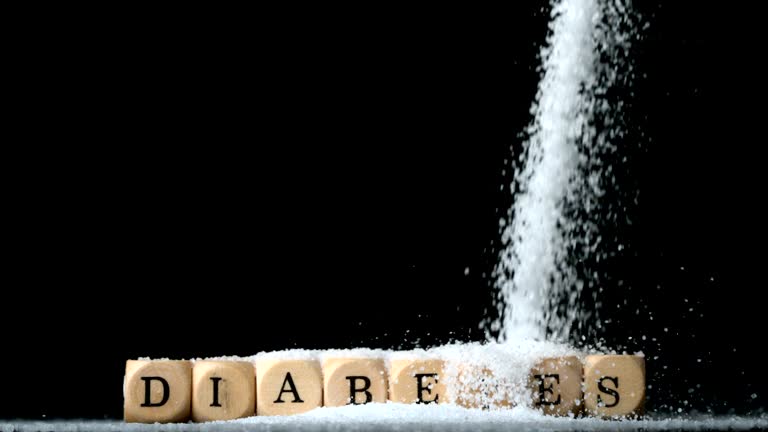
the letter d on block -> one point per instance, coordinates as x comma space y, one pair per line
157, 391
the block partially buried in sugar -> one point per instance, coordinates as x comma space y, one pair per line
476, 386
614, 385
416, 381
223, 390
287, 386
157, 391
354, 381
556, 385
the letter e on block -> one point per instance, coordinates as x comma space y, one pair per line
157, 391
556, 385
416, 381
614, 385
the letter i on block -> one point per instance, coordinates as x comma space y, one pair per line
416, 381
157, 391
223, 390
556, 385
286, 387
614, 385
354, 381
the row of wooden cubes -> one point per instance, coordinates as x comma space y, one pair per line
175, 391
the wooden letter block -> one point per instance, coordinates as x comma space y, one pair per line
286, 387
416, 381
157, 391
223, 390
614, 385
354, 381
477, 386
556, 385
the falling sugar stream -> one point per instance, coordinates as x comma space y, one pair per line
561, 176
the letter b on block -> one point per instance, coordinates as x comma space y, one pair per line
354, 381
614, 385
286, 387
157, 391
223, 390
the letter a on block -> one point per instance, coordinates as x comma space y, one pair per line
614, 385
157, 391
286, 387
291, 389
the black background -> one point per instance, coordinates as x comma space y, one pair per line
185, 186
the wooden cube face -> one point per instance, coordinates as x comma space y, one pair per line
476, 386
286, 387
556, 385
223, 390
157, 391
354, 381
614, 385
416, 381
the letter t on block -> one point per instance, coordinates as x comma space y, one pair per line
157, 391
